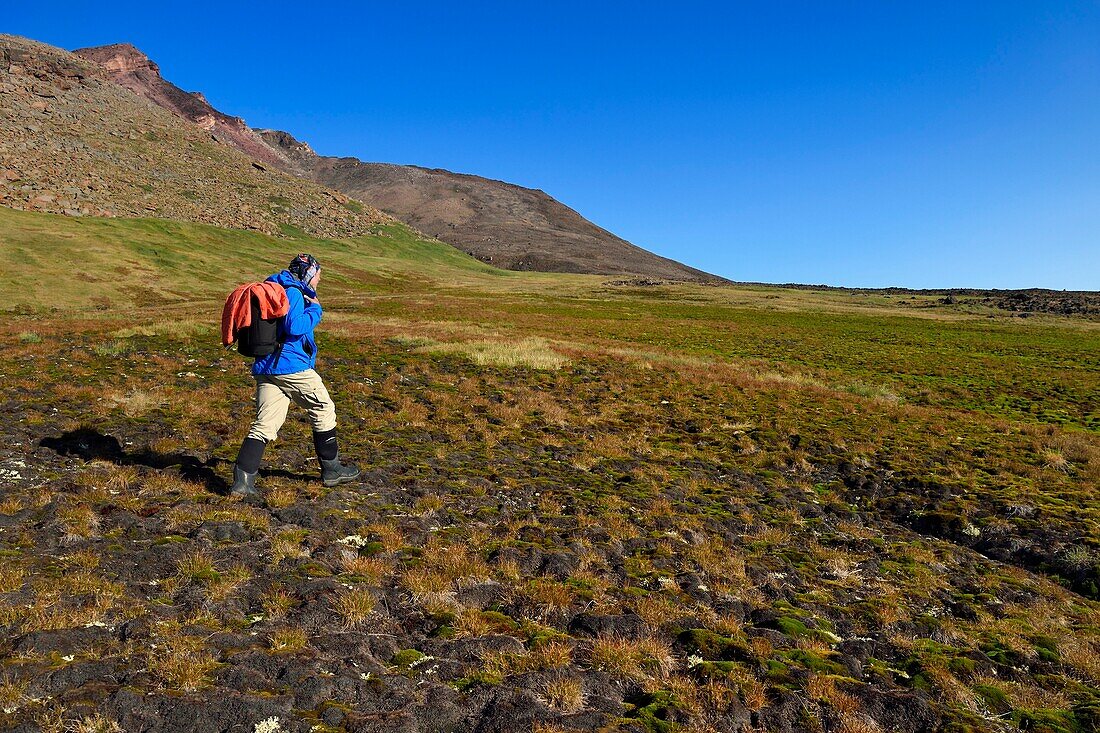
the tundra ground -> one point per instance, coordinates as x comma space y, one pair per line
584, 506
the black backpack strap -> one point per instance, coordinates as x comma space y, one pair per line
278, 354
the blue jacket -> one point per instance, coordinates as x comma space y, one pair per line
299, 350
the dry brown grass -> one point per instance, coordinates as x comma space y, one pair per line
1083, 656
187, 517
428, 586
549, 655
354, 605
564, 694
552, 654
391, 537
287, 545
10, 505
280, 495
76, 598
428, 504
178, 661
1029, 696
508, 569
950, 688
197, 567
166, 444
276, 602
107, 476
164, 486
823, 688
13, 694
769, 535
620, 527
139, 401
98, 723
842, 568
633, 659
288, 639
371, 569
228, 582
77, 522
753, 692
445, 568
657, 610
543, 727
532, 352
472, 622
858, 723
546, 597
11, 577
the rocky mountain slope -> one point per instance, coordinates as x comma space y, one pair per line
510, 226
129, 67
72, 141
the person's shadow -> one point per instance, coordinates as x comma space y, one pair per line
90, 445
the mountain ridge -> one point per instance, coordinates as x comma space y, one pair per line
501, 223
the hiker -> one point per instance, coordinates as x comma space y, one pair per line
286, 375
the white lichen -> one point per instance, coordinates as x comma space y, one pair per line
269, 725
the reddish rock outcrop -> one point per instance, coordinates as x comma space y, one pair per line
131, 68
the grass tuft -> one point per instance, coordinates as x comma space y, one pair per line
354, 605
532, 352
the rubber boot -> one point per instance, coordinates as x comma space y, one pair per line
247, 466
334, 473
244, 483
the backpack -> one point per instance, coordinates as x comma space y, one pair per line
262, 337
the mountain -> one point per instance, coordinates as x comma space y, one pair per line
73, 141
507, 225
510, 226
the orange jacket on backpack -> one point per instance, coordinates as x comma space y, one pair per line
237, 313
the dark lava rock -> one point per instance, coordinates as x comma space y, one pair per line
627, 626
301, 515
482, 595
369, 651
67, 641
225, 711
222, 532
77, 675
896, 710
693, 585
509, 711
473, 648
559, 565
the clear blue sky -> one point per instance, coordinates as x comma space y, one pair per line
850, 143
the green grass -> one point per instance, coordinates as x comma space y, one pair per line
152, 262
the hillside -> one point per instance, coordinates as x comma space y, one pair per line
72, 141
585, 507
507, 225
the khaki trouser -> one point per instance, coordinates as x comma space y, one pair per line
275, 392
